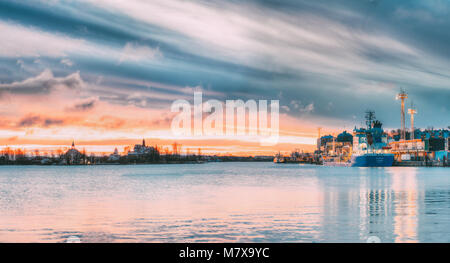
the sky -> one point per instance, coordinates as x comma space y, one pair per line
105, 72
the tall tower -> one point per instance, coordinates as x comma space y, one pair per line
403, 96
412, 111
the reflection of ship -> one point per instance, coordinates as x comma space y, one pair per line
336, 162
369, 147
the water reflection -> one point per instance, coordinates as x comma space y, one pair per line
406, 202
389, 200
382, 202
375, 206
239, 202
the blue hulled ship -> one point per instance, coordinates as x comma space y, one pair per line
369, 148
370, 145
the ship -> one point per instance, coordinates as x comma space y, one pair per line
369, 149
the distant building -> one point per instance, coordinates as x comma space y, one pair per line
115, 156
345, 137
342, 144
430, 144
143, 152
73, 156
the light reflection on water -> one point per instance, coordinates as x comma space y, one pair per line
224, 202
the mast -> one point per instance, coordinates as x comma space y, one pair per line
370, 118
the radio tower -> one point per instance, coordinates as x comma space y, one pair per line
403, 96
412, 111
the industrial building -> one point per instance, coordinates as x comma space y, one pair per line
412, 146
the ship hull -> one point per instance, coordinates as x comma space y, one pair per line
372, 160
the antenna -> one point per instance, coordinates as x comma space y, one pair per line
370, 118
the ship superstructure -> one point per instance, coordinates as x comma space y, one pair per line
370, 147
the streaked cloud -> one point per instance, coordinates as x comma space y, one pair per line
67, 62
21, 41
44, 83
133, 52
36, 120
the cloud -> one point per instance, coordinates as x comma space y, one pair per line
44, 83
29, 121
229, 32
21, 63
36, 120
67, 62
297, 105
50, 122
133, 52
20, 41
308, 108
84, 105
286, 108
308, 51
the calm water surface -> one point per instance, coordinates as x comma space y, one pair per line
224, 202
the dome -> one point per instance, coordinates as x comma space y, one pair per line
345, 137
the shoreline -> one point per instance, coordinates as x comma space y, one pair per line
132, 164
406, 165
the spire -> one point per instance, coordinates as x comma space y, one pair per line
143, 142
73, 144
